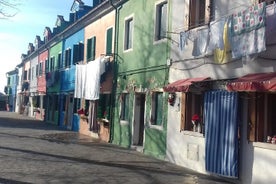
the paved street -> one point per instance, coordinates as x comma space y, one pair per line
35, 152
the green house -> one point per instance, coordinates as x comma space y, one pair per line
142, 49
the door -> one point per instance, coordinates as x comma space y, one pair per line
138, 124
221, 133
68, 115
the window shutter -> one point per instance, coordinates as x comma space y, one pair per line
183, 111
81, 52
260, 116
75, 54
209, 10
88, 50
36, 70
159, 108
93, 48
251, 125
192, 10
109, 33
202, 12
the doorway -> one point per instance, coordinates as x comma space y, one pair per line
138, 123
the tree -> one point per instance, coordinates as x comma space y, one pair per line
8, 8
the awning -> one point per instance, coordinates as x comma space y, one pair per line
184, 85
261, 82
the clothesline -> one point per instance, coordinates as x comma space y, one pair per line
246, 28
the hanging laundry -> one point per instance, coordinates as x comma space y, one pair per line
216, 35
250, 19
94, 70
223, 55
183, 40
271, 24
201, 42
248, 31
80, 81
87, 82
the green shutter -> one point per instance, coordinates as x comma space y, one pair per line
75, 54
109, 41
159, 108
81, 52
88, 47
93, 48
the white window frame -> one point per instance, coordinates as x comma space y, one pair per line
157, 25
126, 33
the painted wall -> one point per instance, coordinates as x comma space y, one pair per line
133, 75
256, 161
18, 91
68, 75
98, 29
33, 79
53, 52
41, 79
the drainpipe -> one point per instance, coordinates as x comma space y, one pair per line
115, 70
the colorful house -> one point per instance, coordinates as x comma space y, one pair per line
98, 45
11, 89
142, 42
52, 72
218, 125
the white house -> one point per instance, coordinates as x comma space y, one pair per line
223, 78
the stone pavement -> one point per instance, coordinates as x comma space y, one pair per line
36, 152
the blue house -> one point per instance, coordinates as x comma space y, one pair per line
11, 88
73, 51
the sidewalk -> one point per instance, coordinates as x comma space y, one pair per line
36, 152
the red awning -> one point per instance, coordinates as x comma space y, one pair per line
254, 82
183, 85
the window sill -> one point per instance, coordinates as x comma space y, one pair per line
264, 145
157, 127
162, 40
128, 50
195, 134
124, 122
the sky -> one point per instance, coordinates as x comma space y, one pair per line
19, 30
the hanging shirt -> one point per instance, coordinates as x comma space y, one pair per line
201, 42
216, 35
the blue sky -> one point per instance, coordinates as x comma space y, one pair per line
18, 31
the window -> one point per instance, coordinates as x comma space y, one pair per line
77, 104
77, 53
191, 109
109, 35
124, 106
25, 76
9, 80
52, 64
104, 106
29, 74
161, 21
267, 1
46, 65
58, 66
37, 70
40, 68
157, 108
200, 12
261, 107
33, 72
91, 49
67, 58
128, 34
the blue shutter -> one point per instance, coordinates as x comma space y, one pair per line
221, 133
